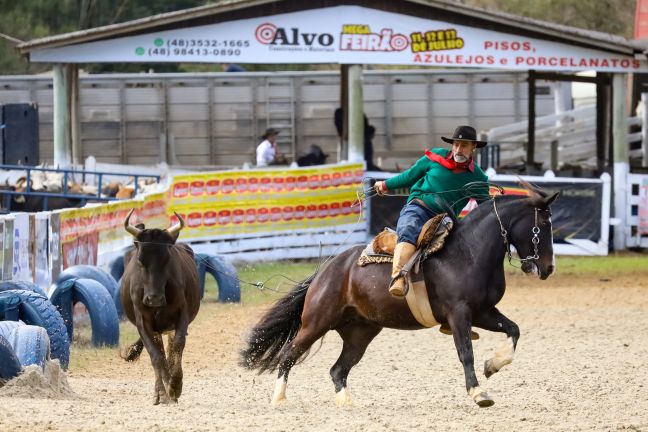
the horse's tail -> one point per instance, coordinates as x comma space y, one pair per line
277, 328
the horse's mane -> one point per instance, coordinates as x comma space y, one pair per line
485, 206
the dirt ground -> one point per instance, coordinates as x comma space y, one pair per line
580, 365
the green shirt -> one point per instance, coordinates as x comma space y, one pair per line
430, 182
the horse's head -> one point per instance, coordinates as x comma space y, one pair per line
531, 232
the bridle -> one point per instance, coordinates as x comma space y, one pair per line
535, 239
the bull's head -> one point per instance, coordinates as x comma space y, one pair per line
153, 254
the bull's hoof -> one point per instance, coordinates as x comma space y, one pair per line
342, 398
489, 369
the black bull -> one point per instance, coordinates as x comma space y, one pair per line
160, 293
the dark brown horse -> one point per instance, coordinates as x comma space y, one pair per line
465, 280
160, 293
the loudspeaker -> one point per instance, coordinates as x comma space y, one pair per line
19, 134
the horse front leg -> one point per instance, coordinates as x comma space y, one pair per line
493, 320
460, 322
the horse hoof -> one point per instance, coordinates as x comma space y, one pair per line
485, 403
480, 397
489, 370
342, 398
277, 402
445, 329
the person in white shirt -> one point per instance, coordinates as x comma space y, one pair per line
267, 152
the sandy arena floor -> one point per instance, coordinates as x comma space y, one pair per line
581, 364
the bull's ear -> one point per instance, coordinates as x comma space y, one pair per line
550, 199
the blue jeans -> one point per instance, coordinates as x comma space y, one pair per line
412, 218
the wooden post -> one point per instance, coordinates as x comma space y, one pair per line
62, 136
355, 115
644, 130
344, 102
603, 120
621, 157
554, 155
75, 113
531, 118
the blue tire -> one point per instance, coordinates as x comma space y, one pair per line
117, 300
229, 287
9, 363
34, 309
116, 268
99, 303
30, 343
89, 272
22, 285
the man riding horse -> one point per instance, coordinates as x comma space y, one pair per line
439, 176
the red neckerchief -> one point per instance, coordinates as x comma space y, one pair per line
449, 162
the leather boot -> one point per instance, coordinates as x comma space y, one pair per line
402, 253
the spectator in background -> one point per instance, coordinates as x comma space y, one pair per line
267, 152
369, 133
233, 67
315, 156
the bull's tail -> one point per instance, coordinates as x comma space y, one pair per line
277, 328
131, 353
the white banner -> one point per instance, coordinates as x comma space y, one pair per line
346, 35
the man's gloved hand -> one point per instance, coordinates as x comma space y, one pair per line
380, 188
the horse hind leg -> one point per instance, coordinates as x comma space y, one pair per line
494, 320
306, 336
356, 338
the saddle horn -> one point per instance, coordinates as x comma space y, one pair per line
134, 231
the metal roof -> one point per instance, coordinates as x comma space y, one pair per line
590, 38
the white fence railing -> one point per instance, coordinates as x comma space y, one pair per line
567, 138
636, 207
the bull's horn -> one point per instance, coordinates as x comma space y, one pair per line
130, 228
175, 229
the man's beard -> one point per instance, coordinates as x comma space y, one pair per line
459, 158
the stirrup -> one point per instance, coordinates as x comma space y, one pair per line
405, 288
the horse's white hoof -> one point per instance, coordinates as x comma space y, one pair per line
480, 397
279, 395
342, 398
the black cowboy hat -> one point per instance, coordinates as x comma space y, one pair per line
465, 133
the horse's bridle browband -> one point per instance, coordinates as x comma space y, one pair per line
535, 239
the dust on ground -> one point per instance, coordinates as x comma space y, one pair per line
580, 365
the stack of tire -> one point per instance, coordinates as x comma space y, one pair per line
31, 329
229, 288
21, 345
95, 289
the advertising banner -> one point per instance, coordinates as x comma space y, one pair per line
642, 227
21, 250
41, 250
272, 200
346, 35
7, 259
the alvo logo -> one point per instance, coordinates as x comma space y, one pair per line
270, 34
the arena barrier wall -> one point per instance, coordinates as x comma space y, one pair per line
266, 214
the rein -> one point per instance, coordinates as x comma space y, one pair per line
535, 239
